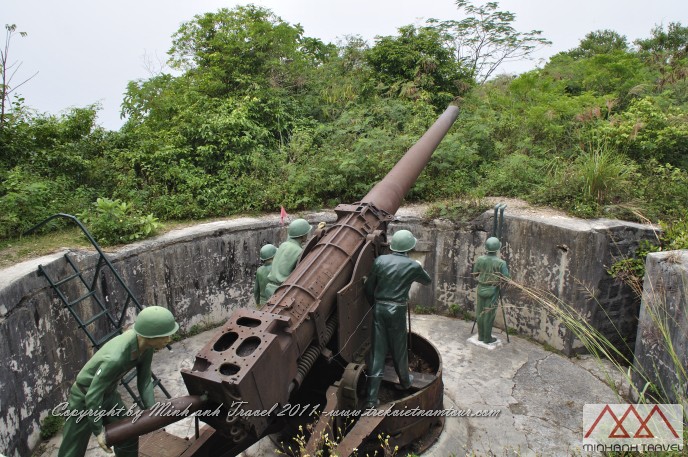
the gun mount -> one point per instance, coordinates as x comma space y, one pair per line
260, 361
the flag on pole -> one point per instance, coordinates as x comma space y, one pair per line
283, 215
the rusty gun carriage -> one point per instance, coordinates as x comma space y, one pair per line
262, 361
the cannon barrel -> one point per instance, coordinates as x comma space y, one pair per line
260, 357
388, 193
162, 414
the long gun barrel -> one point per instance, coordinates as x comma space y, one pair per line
260, 357
388, 193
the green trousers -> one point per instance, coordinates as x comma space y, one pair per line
390, 334
75, 436
486, 311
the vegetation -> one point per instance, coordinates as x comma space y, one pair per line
8, 70
117, 222
51, 426
644, 385
259, 116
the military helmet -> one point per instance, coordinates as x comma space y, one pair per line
493, 244
267, 252
298, 228
403, 241
155, 322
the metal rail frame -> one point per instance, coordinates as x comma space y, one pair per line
115, 325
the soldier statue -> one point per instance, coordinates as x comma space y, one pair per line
267, 253
287, 255
387, 289
95, 389
490, 270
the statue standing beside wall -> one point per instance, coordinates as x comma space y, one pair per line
490, 270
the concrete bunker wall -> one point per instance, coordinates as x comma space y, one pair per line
559, 258
662, 342
204, 272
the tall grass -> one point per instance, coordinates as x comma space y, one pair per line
604, 173
663, 333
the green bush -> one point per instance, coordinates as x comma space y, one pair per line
51, 426
631, 270
116, 222
27, 199
662, 189
597, 178
457, 210
513, 176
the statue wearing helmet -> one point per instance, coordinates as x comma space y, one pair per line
96, 384
387, 289
267, 253
490, 270
287, 255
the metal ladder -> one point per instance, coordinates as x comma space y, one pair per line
104, 314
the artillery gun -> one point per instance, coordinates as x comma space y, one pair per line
304, 351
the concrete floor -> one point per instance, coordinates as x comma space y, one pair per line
540, 394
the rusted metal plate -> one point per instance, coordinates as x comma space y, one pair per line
323, 427
363, 428
162, 444
355, 316
404, 430
416, 430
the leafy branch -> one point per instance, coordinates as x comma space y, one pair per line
486, 38
8, 71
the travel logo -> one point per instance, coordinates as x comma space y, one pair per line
621, 427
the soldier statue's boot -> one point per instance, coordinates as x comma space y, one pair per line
407, 387
371, 404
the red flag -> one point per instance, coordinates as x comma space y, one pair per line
283, 215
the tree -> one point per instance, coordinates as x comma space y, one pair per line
417, 61
667, 51
486, 38
242, 49
599, 42
8, 70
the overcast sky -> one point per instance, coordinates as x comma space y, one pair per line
85, 51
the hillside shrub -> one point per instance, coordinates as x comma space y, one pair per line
117, 222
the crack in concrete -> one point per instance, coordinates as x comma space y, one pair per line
540, 361
519, 372
538, 372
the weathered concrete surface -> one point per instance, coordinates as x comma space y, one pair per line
200, 273
204, 272
661, 350
540, 408
557, 255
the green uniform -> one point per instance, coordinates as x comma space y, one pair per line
260, 284
283, 264
387, 287
95, 390
488, 268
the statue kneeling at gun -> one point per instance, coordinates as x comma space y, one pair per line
95, 389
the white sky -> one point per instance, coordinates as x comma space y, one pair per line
85, 51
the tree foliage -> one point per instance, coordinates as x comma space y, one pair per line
8, 72
599, 42
486, 38
415, 63
240, 49
667, 51
259, 116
